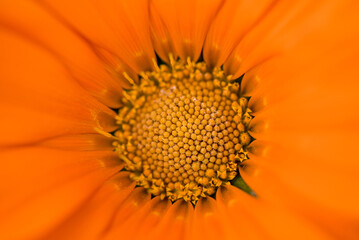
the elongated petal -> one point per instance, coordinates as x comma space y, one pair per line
47, 186
187, 23
131, 226
99, 211
304, 118
266, 220
33, 23
208, 223
161, 38
234, 21
39, 99
176, 222
119, 27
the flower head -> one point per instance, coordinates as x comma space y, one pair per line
161, 119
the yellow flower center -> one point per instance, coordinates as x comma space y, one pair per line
183, 130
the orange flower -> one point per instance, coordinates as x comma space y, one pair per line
61, 74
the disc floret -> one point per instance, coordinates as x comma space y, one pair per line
183, 130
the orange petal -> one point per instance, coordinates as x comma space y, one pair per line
266, 220
233, 22
135, 201
80, 142
207, 221
40, 100
306, 122
160, 35
307, 115
280, 15
33, 23
119, 27
145, 225
95, 217
187, 23
176, 222
47, 186
336, 222
238, 222
131, 225
289, 26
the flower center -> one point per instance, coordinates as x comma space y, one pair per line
183, 130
